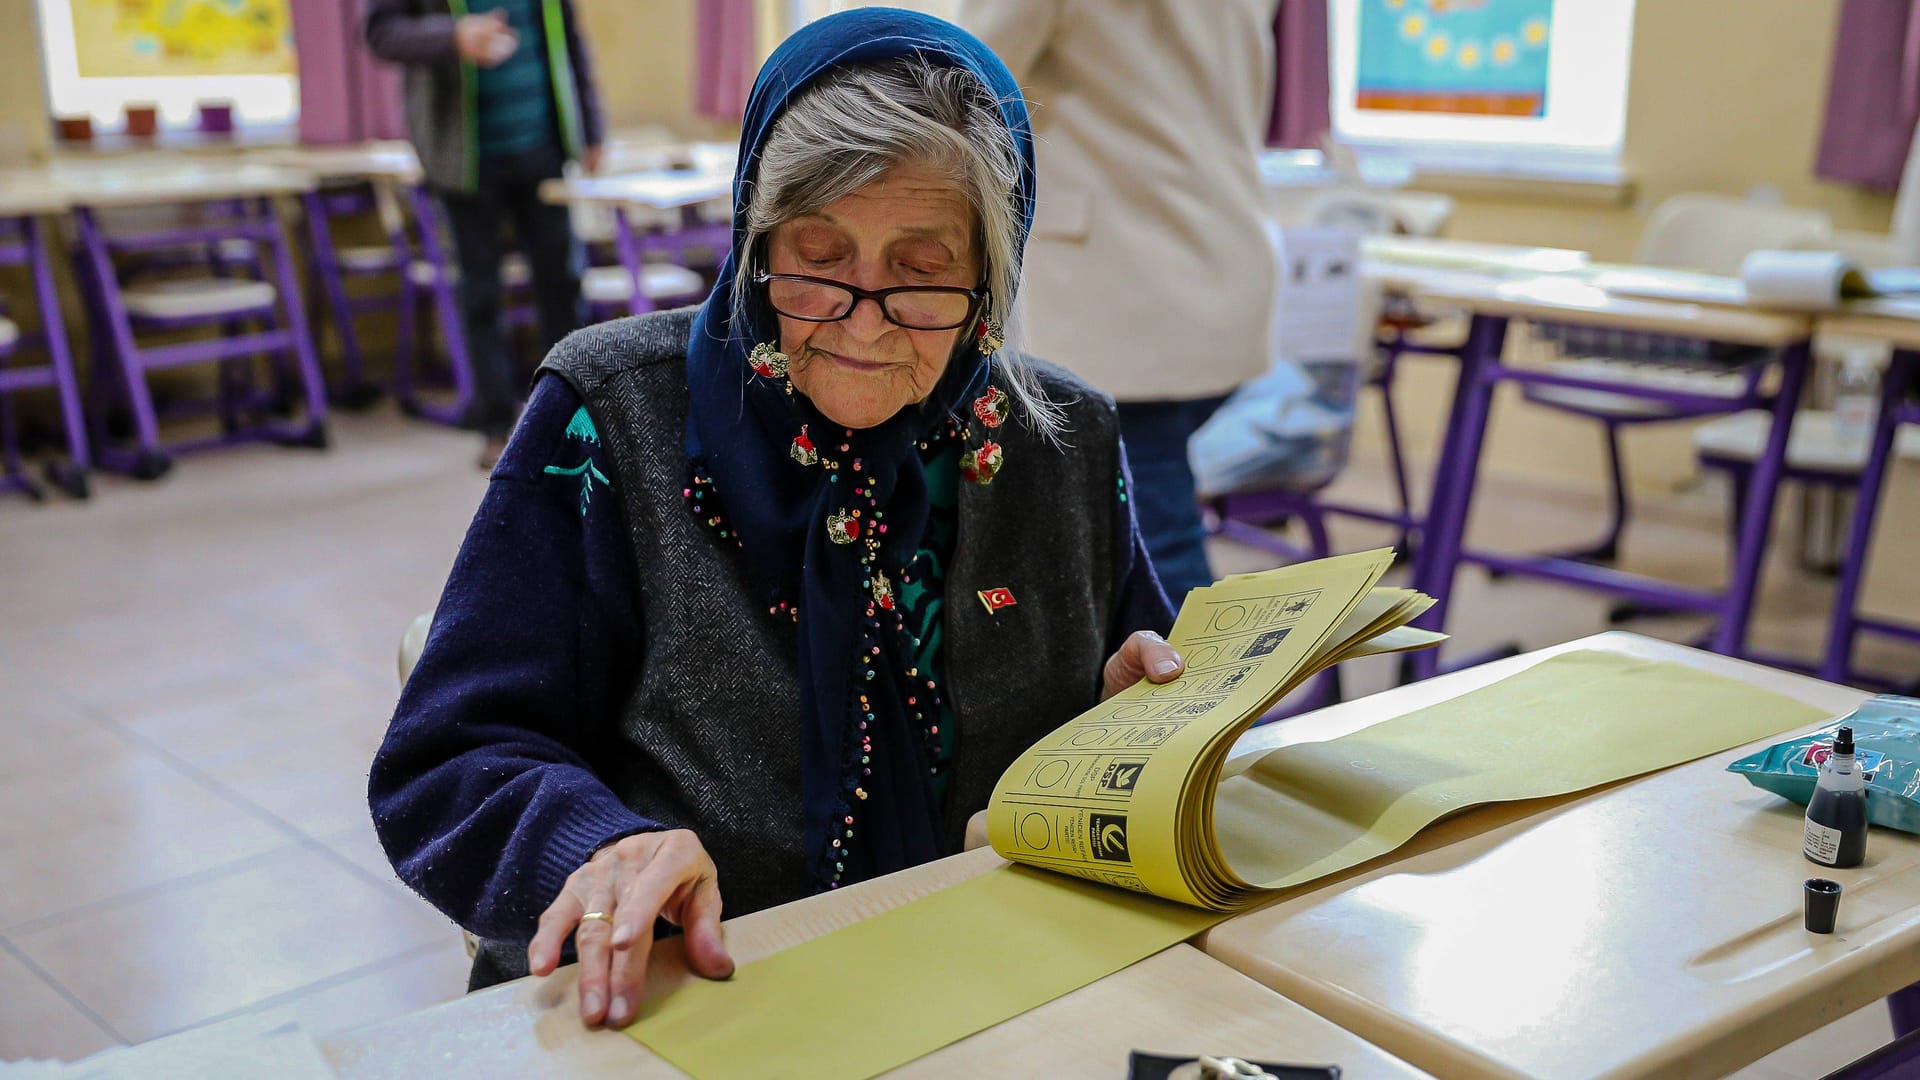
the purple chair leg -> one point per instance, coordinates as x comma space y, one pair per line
1440, 542
60, 355
1903, 1006
405, 341
446, 305
313, 380
1837, 665
325, 269
150, 461
1763, 489
1396, 453
628, 250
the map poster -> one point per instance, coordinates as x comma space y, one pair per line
172, 38
1472, 57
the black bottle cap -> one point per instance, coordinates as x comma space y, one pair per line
1843, 741
1823, 904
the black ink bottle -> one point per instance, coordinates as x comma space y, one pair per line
1836, 830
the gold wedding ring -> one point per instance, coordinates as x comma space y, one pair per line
599, 915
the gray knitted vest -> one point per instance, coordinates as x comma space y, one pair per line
709, 739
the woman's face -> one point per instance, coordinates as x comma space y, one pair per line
909, 227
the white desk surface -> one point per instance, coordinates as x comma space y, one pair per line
1649, 929
1178, 1002
1472, 256
379, 160
664, 189
1896, 322
27, 193
1557, 284
157, 180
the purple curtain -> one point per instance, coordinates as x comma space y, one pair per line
723, 71
1873, 93
345, 94
1300, 87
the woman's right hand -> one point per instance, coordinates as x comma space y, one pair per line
631, 881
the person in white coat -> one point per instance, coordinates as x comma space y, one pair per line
1147, 272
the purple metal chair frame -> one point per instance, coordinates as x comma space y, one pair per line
1607, 549
329, 278
631, 247
23, 243
124, 361
1241, 517
444, 293
1896, 407
1441, 550
1405, 518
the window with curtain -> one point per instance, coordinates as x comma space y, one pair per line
102, 55
1487, 85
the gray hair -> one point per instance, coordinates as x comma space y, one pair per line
846, 130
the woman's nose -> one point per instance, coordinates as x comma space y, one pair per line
867, 320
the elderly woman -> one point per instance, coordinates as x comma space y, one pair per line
763, 598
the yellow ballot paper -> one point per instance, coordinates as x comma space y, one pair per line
1123, 794
1131, 794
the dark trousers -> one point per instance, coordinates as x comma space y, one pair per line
1164, 500
509, 192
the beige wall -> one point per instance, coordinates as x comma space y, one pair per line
25, 132
644, 59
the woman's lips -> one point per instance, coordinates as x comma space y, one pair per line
853, 364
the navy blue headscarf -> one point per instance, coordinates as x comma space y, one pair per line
829, 518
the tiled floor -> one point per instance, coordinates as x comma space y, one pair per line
194, 674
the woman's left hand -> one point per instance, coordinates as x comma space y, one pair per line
1146, 655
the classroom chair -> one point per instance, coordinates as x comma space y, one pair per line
432, 281
1894, 431
23, 243
1402, 329
1703, 232
333, 266
635, 284
257, 312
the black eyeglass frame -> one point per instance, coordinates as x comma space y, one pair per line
976, 297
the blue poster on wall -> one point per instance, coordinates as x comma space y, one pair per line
1476, 57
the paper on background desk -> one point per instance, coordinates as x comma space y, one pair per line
1322, 309
1789, 280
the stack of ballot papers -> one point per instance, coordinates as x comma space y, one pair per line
1124, 793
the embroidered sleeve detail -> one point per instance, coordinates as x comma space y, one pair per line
581, 427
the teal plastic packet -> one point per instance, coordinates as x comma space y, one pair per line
1886, 738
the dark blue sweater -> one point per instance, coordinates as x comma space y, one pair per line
483, 793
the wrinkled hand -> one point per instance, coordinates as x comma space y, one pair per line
665, 874
1146, 655
485, 40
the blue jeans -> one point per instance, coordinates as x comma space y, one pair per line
1156, 434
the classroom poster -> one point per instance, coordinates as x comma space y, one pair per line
1474, 57
170, 38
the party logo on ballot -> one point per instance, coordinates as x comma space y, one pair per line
1109, 835
1121, 776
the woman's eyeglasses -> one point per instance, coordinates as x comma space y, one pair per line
915, 307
